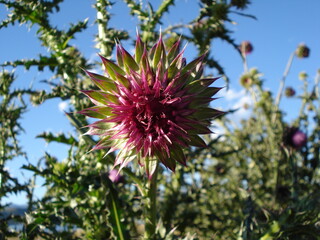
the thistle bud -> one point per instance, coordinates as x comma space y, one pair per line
246, 47
303, 76
302, 51
290, 92
246, 81
240, 4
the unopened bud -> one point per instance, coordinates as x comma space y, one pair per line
246, 81
302, 51
290, 92
303, 76
246, 47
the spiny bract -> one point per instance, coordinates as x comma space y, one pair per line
151, 105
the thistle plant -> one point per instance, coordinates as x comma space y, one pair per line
257, 179
151, 106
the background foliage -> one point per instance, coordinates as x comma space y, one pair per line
248, 184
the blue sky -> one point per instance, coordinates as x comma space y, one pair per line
280, 26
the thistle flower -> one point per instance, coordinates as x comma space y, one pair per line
294, 138
115, 177
299, 139
151, 106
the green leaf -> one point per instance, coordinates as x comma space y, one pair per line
60, 138
113, 201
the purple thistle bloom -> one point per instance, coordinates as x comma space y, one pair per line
299, 139
294, 138
115, 176
151, 105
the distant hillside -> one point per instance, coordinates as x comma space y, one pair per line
13, 209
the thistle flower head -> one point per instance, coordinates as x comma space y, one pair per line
151, 105
299, 139
294, 138
115, 177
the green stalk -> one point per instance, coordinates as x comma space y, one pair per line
245, 63
151, 208
294, 176
285, 74
115, 211
282, 83
103, 17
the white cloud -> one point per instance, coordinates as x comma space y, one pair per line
93, 58
242, 100
231, 94
237, 99
63, 106
243, 112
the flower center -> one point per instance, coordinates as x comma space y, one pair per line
152, 115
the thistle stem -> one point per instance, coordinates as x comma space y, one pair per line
151, 208
294, 173
285, 74
282, 83
245, 63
